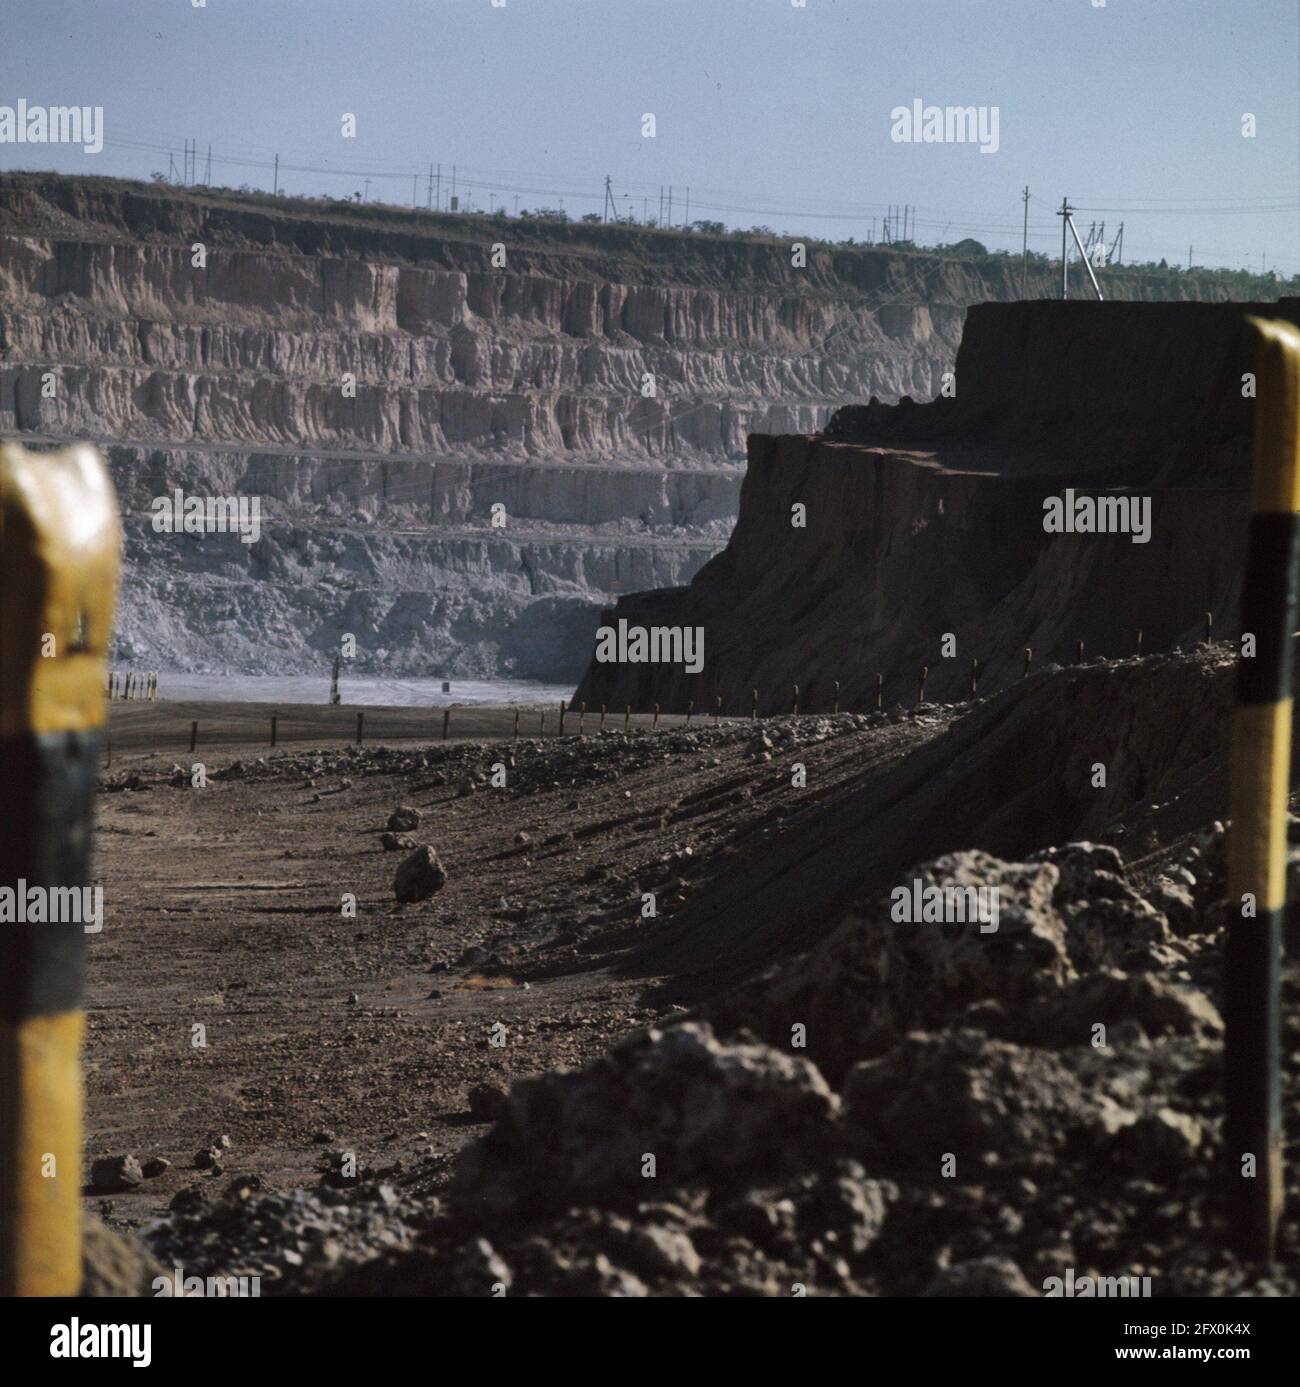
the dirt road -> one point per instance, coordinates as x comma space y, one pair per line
232, 993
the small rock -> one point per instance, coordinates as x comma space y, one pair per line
403, 818
1160, 1144
487, 1102
986, 1276
156, 1166
116, 1173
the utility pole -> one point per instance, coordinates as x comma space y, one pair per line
275, 181
437, 196
1064, 215
609, 203
670, 204
1189, 259
1067, 221
1024, 247
428, 197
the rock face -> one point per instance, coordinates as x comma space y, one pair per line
457, 463
858, 550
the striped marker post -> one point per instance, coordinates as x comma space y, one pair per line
59, 546
1260, 784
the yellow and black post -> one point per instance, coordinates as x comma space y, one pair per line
1260, 774
60, 544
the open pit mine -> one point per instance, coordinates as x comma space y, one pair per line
458, 462
859, 931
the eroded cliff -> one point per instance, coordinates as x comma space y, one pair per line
913, 537
467, 434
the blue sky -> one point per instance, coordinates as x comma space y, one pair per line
770, 112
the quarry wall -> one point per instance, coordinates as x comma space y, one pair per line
440, 444
858, 551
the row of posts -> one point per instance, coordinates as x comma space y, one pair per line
567, 711
143, 687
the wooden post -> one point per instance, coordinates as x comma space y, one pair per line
925, 669
516, 724
1029, 659
690, 706
753, 704
541, 732
627, 720
446, 722
1078, 653
194, 735
974, 678
59, 545
361, 718
880, 692
602, 718
717, 711
1209, 627
582, 718
274, 720
562, 707
655, 724
794, 707
1139, 642
835, 706
1260, 772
